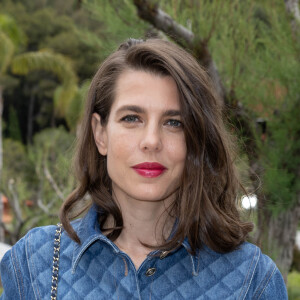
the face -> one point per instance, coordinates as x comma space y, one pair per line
143, 139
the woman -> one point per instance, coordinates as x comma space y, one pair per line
157, 163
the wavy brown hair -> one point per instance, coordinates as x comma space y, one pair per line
205, 207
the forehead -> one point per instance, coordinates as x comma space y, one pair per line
151, 91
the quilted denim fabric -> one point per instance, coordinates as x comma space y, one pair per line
97, 269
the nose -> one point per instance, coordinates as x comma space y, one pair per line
151, 139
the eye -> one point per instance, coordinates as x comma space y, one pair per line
174, 123
130, 118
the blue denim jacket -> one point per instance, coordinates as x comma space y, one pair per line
97, 269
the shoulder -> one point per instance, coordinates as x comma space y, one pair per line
40, 239
36, 238
15, 271
244, 257
263, 279
27, 266
38, 243
266, 280
252, 274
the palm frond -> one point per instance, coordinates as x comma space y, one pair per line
46, 60
55, 63
63, 96
6, 52
75, 110
12, 30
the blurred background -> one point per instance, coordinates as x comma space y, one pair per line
50, 50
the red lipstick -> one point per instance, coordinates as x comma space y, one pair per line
149, 169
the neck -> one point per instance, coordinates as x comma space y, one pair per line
146, 222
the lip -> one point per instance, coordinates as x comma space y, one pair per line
149, 169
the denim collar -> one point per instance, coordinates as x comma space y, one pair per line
88, 231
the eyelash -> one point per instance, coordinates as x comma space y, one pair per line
179, 124
126, 118
135, 118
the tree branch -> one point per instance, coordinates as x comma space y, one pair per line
116, 9
292, 7
15, 201
149, 11
53, 183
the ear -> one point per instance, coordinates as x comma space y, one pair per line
100, 135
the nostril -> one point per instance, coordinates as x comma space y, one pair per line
151, 140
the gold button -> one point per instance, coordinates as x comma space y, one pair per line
150, 271
163, 254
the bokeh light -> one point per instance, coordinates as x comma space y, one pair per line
249, 201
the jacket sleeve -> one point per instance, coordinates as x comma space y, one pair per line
15, 274
275, 288
272, 286
26, 269
13, 287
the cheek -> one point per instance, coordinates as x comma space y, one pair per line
120, 146
177, 150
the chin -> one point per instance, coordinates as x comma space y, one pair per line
148, 197
152, 195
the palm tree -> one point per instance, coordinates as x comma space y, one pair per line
55, 63
11, 38
22, 64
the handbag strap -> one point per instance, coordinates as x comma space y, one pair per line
56, 261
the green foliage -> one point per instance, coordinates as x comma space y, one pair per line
9, 26
251, 43
14, 127
83, 46
294, 286
16, 161
266, 81
53, 62
11, 36
45, 60
6, 53
41, 173
66, 30
120, 22
296, 260
17, 168
282, 160
191, 14
52, 150
76, 107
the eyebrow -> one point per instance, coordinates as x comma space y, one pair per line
140, 110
